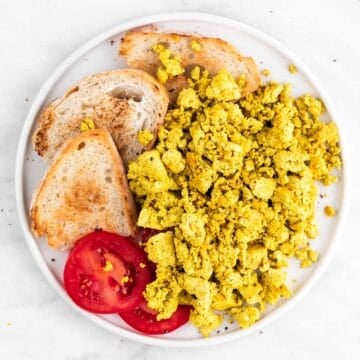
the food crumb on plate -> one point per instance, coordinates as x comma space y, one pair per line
329, 211
266, 72
292, 69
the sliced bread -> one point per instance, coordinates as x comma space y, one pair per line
123, 101
213, 54
84, 189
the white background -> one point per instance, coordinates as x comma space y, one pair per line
35, 36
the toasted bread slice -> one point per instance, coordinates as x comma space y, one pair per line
215, 54
122, 101
84, 189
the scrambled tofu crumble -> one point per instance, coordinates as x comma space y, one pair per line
292, 69
87, 124
329, 211
231, 183
195, 46
171, 64
145, 137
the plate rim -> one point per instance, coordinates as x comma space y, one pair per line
56, 75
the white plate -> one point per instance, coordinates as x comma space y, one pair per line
101, 53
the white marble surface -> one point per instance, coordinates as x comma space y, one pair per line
35, 37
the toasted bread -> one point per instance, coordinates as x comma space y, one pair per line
84, 189
215, 54
122, 101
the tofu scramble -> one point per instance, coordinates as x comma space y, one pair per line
231, 186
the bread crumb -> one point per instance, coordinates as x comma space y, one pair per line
9, 323
266, 72
292, 69
329, 211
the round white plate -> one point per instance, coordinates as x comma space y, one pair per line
101, 53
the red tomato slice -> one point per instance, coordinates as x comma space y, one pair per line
144, 319
106, 273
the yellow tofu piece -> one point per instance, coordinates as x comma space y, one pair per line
160, 249
206, 321
245, 316
263, 188
145, 137
223, 87
193, 229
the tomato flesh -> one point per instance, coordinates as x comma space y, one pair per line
143, 319
106, 273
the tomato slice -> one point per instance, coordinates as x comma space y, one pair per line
106, 273
143, 319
